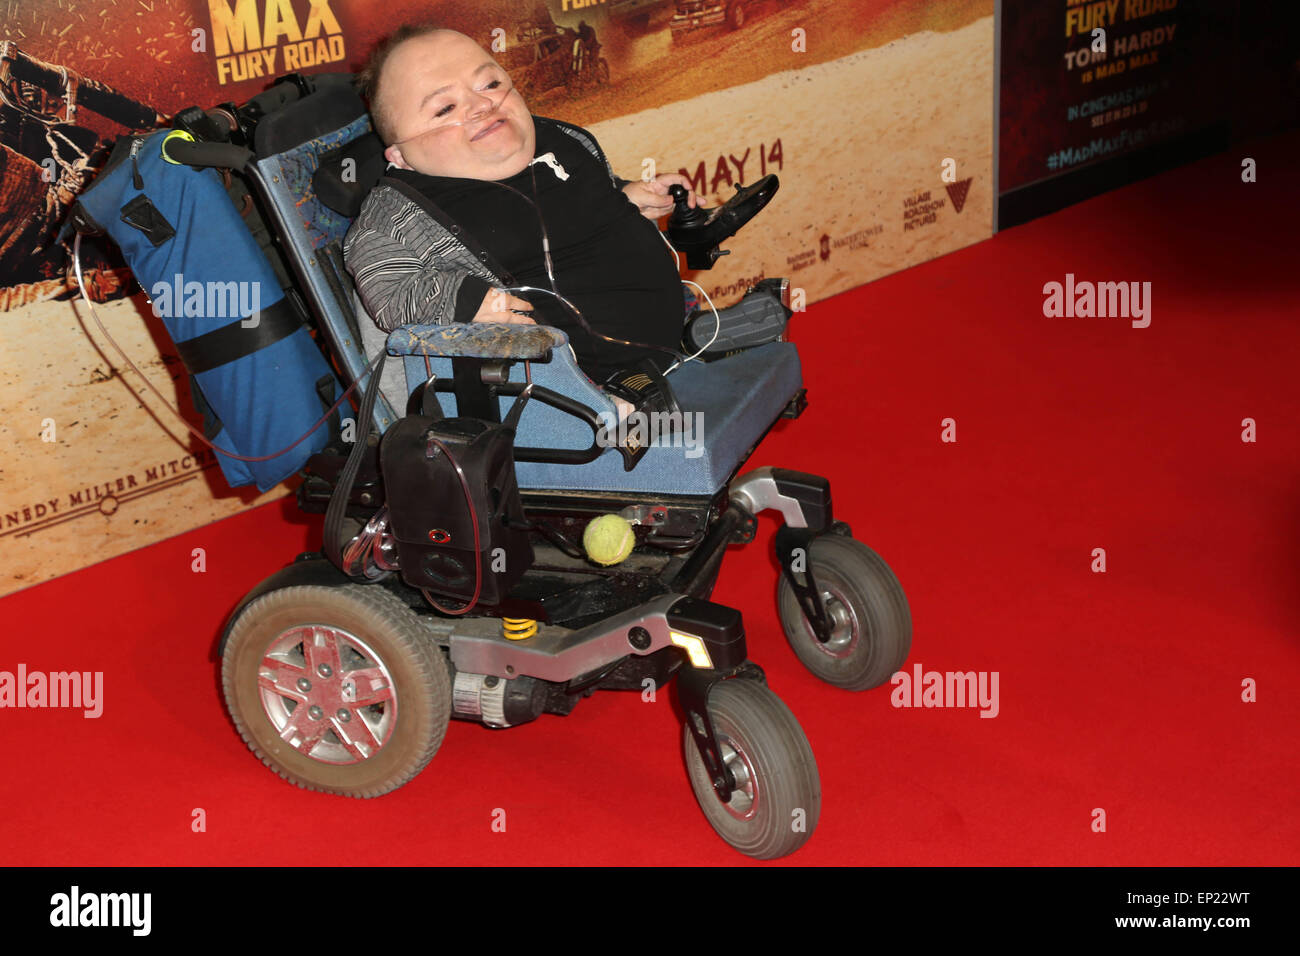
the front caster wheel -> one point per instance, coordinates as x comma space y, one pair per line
336, 688
871, 624
778, 795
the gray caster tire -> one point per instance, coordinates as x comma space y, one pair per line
778, 801
872, 624
336, 689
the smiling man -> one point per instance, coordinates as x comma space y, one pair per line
481, 196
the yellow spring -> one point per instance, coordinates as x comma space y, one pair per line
518, 628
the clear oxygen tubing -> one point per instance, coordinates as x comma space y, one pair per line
495, 106
577, 313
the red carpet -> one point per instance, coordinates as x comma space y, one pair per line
1120, 691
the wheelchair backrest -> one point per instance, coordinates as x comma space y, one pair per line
290, 145
299, 148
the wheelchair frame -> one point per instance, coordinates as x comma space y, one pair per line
648, 619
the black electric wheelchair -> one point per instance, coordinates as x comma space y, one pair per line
454, 584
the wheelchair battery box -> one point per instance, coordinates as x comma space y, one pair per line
454, 506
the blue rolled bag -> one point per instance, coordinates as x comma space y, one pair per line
261, 381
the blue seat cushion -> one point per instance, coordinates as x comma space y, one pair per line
727, 406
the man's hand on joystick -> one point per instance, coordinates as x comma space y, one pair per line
698, 232
655, 198
686, 208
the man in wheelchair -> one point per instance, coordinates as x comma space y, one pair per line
489, 214
342, 669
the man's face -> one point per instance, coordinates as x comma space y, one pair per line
450, 113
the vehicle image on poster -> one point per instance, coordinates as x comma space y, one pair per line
547, 56
695, 14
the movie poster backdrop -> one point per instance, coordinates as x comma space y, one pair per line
1093, 83
876, 115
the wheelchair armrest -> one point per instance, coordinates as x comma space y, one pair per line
487, 340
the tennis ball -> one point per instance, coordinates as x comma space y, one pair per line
608, 539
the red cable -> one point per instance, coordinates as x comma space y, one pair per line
473, 514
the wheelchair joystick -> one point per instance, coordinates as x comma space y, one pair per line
698, 232
683, 216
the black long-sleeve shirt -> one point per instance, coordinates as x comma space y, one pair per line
609, 260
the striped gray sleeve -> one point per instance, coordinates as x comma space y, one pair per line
405, 273
394, 283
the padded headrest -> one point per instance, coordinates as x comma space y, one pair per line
289, 121
363, 160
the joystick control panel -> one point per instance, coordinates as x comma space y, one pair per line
699, 232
